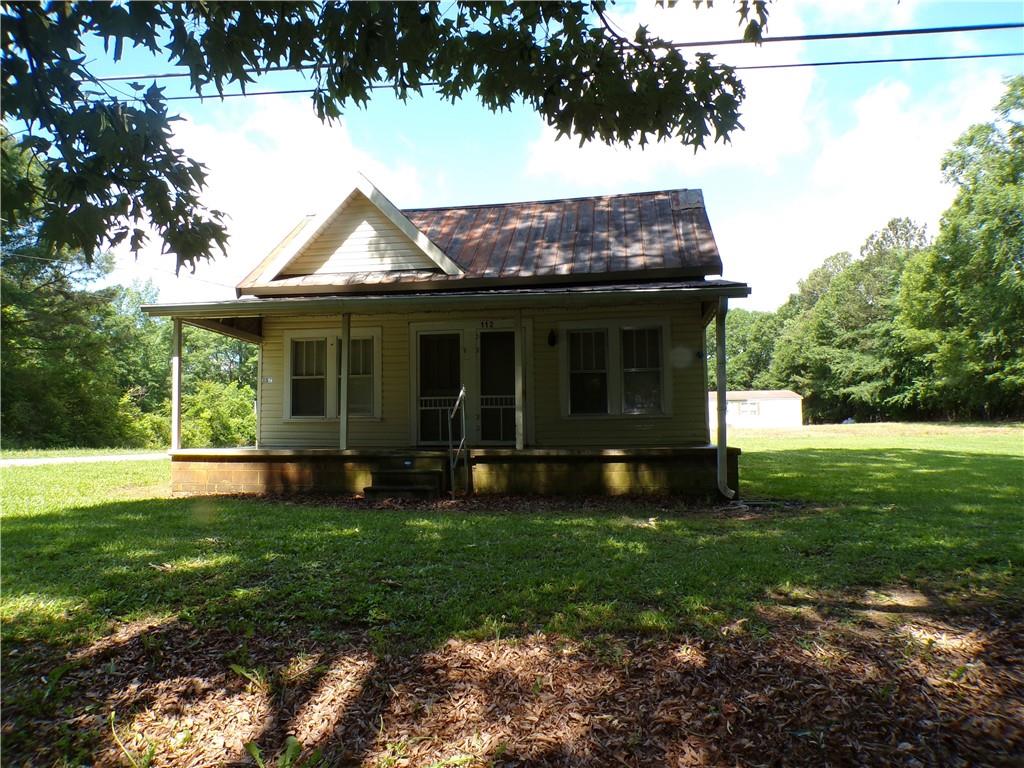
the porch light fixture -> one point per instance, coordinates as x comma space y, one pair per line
552, 338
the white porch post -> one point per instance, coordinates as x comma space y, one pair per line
176, 384
722, 440
346, 326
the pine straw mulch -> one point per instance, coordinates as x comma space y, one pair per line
893, 684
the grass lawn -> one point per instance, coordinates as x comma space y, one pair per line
209, 622
54, 453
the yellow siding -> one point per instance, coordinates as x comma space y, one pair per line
686, 426
543, 387
359, 238
391, 430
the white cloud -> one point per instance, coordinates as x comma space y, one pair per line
885, 164
774, 113
270, 162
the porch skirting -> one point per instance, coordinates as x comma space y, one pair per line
567, 471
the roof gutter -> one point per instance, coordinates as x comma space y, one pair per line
441, 302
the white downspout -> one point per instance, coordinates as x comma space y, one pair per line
722, 441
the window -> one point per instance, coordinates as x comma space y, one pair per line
312, 369
361, 389
750, 408
641, 370
588, 372
617, 368
309, 378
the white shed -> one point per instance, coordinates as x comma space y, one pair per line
760, 409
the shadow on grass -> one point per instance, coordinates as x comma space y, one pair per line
383, 613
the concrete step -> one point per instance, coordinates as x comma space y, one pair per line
430, 478
401, 492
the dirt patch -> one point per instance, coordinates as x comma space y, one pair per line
927, 689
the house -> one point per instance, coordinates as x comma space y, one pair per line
560, 343
761, 408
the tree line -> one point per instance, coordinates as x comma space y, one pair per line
82, 366
912, 328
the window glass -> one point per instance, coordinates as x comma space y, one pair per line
360, 380
641, 370
308, 378
588, 372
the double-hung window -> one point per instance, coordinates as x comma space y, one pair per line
616, 368
641, 370
588, 372
313, 387
309, 377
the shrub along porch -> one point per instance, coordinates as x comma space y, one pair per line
560, 343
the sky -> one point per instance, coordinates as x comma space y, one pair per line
828, 154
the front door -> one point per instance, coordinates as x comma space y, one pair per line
440, 375
497, 387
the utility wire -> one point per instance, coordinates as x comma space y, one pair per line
781, 39
883, 61
748, 67
851, 35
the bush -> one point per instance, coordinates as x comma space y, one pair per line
137, 429
218, 416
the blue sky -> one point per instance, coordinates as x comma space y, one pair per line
828, 155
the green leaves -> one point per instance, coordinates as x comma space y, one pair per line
563, 59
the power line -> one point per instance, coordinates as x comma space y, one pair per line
780, 39
851, 35
883, 61
845, 62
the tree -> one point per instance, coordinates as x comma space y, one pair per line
842, 352
111, 166
56, 386
749, 347
962, 304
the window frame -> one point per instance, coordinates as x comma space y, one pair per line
614, 361
361, 334
660, 369
332, 381
608, 369
289, 342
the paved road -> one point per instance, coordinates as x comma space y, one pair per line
81, 459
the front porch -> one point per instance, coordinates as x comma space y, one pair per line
570, 471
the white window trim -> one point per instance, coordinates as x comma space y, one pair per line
616, 396
333, 338
330, 372
375, 334
622, 368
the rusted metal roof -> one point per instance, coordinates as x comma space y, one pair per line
642, 236
586, 235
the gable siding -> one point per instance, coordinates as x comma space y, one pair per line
542, 383
358, 239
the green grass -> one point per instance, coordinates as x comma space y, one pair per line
50, 453
938, 508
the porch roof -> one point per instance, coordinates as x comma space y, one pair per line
510, 298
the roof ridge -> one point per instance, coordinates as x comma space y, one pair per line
553, 200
